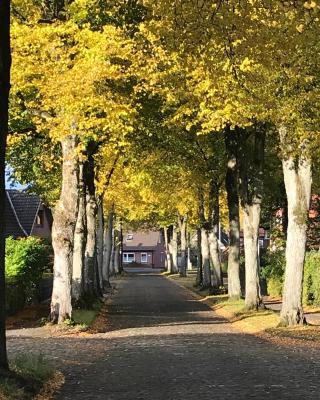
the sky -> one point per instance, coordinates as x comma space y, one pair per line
10, 185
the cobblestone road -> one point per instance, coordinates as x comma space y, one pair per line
163, 344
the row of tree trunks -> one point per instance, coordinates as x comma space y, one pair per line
82, 246
173, 249
297, 171
176, 236
298, 180
5, 64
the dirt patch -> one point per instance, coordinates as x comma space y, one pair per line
30, 317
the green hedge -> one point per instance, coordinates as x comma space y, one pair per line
273, 272
311, 284
26, 260
15, 296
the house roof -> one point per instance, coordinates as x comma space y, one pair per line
142, 240
21, 211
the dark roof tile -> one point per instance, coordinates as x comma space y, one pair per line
24, 207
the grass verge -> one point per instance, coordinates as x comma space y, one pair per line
82, 319
263, 322
234, 311
31, 377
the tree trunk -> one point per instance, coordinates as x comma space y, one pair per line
107, 250
199, 279
215, 258
90, 278
65, 218
80, 237
205, 255
189, 262
111, 264
173, 248
167, 250
251, 222
214, 212
204, 242
116, 252
298, 180
5, 64
251, 174
234, 288
100, 242
182, 220
121, 247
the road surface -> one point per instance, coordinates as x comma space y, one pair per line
164, 344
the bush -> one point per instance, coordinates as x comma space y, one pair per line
32, 366
26, 259
311, 283
273, 271
274, 274
28, 375
15, 296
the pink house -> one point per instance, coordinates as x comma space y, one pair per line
143, 249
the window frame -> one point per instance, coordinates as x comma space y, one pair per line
146, 259
40, 218
125, 257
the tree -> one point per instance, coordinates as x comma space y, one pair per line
5, 64
298, 179
252, 151
97, 112
65, 218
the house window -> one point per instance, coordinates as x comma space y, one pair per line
144, 257
128, 258
129, 236
40, 218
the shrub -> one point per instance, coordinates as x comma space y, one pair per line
32, 366
311, 283
274, 274
273, 271
26, 260
15, 296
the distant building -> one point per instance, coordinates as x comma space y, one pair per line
26, 215
143, 249
264, 238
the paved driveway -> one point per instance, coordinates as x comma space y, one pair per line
165, 345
